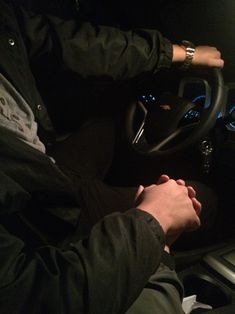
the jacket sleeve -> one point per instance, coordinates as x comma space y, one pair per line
163, 294
90, 50
102, 274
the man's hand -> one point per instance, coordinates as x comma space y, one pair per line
206, 56
171, 203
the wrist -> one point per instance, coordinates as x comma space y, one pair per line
179, 53
162, 218
184, 54
189, 48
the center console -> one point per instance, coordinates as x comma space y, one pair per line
213, 281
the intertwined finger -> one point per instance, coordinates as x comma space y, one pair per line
191, 192
163, 178
180, 182
197, 206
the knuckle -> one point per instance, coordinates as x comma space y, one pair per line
211, 62
172, 182
185, 190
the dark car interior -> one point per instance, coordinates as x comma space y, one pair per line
196, 142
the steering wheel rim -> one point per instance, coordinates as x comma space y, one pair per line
207, 122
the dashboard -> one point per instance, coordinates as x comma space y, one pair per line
198, 91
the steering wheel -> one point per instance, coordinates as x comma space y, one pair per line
173, 123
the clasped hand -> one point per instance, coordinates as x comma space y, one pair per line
173, 204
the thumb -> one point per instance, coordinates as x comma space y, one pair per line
139, 191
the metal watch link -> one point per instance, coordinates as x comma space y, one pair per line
190, 51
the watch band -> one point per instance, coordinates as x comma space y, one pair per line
190, 51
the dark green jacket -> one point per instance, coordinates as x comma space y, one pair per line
107, 272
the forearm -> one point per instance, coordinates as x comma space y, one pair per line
163, 294
117, 259
179, 54
95, 51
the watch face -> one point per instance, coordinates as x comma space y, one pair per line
190, 50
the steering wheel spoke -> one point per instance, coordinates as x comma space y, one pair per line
165, 141
173, 136
139, 134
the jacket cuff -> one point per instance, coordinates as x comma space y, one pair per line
166, 54
152, 223
168, 260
